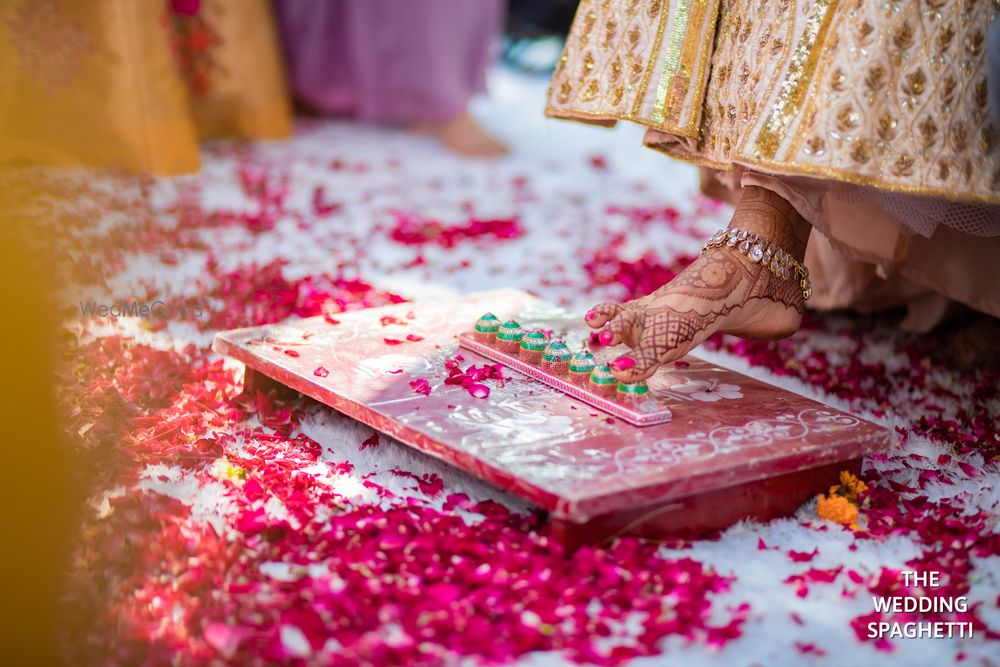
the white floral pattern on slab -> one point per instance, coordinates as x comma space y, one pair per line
709, 391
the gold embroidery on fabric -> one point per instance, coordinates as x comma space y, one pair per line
810, 106
888, 95
565, 90
654, 10
703, 55
610, 31
678, 29
589, 20
616, 70
693, 45
766, 76
797, 79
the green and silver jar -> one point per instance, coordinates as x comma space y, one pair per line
486, 329
580, 367
509, 337
556, 358
632, 391
532, 345
602, 382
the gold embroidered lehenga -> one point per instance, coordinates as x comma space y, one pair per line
871, 118
135, 84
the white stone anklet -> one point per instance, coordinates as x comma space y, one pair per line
761, 251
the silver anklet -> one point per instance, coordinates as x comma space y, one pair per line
761, 251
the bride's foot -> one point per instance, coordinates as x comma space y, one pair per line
462, 135
722, 290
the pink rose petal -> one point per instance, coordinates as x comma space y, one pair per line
421, 386
225, 638
479, 390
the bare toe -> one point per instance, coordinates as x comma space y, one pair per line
667, 336
602, 313
625, 327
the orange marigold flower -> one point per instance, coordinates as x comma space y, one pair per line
838, 509
851, 485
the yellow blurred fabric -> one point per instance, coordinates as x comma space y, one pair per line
108, 82
247, 95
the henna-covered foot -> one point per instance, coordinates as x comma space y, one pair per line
722, 290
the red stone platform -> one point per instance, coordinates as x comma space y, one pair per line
734, 448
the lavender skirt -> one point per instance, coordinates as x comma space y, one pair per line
388, 61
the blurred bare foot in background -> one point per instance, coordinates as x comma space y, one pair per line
463, 136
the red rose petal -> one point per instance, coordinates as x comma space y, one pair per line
802, 556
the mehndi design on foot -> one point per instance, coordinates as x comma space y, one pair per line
722, 290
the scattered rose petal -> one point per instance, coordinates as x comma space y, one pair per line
802, 556
477, 390
225, 638
421, 386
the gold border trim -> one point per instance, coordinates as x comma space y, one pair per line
679, 38
696, 160
793, 89
795, 169
651, 62
776, 168
694, 44
693, 127
561, 113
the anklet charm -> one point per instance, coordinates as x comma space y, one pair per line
761, 251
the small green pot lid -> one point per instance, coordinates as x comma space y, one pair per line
633, 388
583, 362
534, 340
602, 375
488, 323
510, 330
557, 351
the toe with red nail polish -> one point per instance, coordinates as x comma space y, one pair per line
605, 337
623, 363
591, 314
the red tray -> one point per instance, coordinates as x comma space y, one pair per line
736, 447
